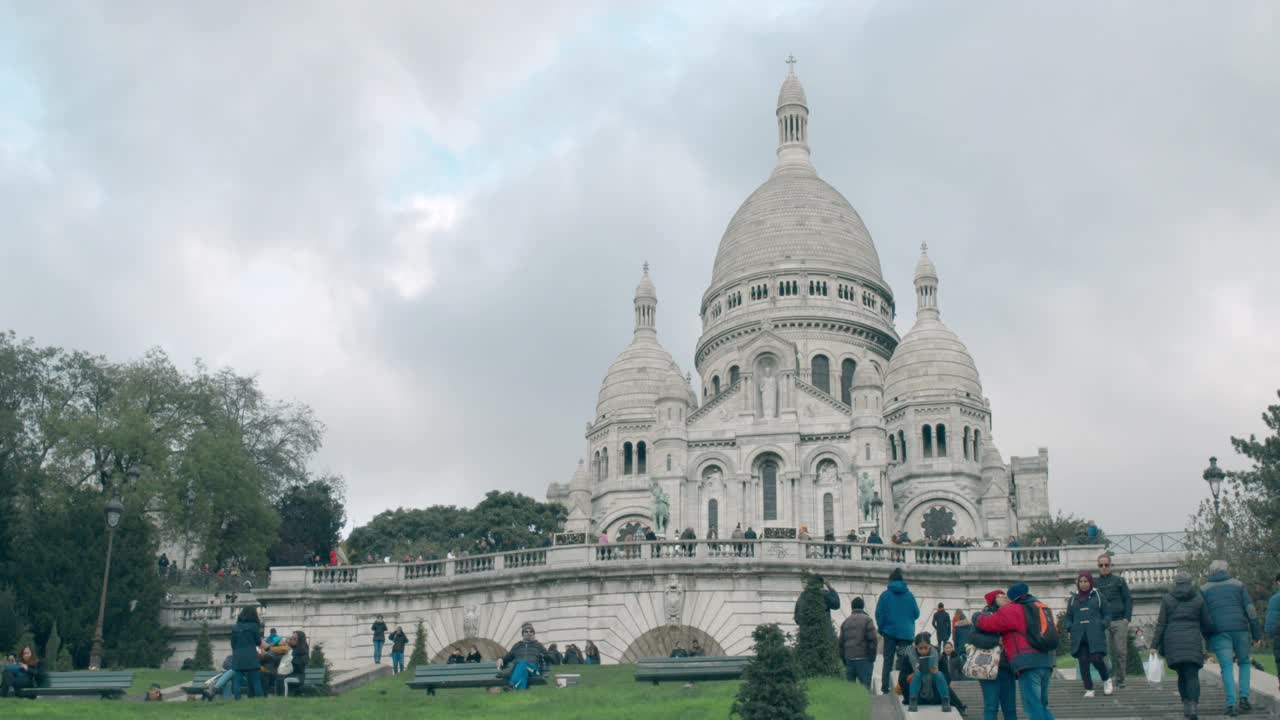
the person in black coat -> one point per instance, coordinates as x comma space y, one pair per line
1181, 629
942, 624
1087, 623
246, 637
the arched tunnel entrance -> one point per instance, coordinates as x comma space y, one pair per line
659, 642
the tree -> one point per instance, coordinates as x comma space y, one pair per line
771, 687
504, 520
53, 645
11, 623
816, 653
419, 655
204, 650
311, 517
1062, 530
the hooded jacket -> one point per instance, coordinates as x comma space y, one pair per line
1011, 622
1273, 620
1183, 624
1230, 606
897, 611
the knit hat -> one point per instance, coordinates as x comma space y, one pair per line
1017, 591
895, 575
991, 597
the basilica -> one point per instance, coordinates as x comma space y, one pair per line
813, 413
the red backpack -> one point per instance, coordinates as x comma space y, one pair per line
1042, 631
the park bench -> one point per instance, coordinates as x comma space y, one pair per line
462, 675
312, 680
100, 683
688, 669
198, 680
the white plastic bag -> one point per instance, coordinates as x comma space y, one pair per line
1154, 668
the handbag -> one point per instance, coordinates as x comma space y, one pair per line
286, 666
982, 663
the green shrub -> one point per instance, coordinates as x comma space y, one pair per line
204, 650
816, 653
419, 655
771, 687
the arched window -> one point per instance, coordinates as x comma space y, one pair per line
828, 514
715, 385
966, 442
902, 445
868, 450
713, 516
847, 367
668, 463
820, 368
626, 458
769, 481
977, 445
604, 463
641, 459
942, 440
733, 375
926, 442
893, 447
595, 467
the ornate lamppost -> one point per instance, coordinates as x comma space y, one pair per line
114, 510
1214, 476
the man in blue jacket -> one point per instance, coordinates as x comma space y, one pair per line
1273, 620
1236, 622
896, 615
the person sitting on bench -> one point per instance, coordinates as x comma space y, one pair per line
21, 672
526, 659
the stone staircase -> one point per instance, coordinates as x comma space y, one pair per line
1140, 699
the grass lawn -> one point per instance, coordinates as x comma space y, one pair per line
605, 692
143, 678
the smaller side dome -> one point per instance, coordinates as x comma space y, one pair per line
792, 92
991, 455
865, 375
925, 269
673, 387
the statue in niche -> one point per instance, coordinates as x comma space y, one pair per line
673, 600
711, 476
471, 621
661, 509
865, 492
769, 392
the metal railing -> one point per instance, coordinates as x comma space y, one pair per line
1136, 543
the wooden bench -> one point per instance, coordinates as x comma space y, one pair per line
312, 680
198, 680
462, 675
688, 669
101, 683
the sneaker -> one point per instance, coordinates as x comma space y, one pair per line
1231, 711
946, 704
1088, 693
1108, 687
1244, 705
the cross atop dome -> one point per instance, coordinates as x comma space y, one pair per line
791, 64
793, 122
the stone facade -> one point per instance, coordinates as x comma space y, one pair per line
811, 405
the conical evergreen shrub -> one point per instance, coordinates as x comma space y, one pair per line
771, 687
52, 645
816, 654
204, 650
419, 654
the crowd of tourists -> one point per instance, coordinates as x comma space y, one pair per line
260, 664
1009, 646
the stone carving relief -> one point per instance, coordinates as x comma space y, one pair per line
673, 600
471, 621
827, 472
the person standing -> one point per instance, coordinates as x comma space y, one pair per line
1119, 612
896, 615
1179, 637
1033, 668
1086, 622
942, 624
998, 694
1234, 622
379, 629
1273, 620
398, 641
962, 629
246, 637
858, 643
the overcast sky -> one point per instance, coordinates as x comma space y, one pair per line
426, 219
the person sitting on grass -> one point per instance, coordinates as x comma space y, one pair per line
572, 655
526, 659
920, 665
593, 653
21, 672
553, 655
153, 694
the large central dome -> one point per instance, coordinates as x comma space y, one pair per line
795, 216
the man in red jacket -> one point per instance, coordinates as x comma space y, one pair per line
1032, 667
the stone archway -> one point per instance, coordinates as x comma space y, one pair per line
659, 641
489, 650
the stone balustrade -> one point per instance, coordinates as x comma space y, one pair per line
677, 552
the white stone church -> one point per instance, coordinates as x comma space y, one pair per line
814, 413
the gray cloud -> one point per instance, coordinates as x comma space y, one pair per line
252, 186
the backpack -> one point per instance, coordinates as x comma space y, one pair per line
1042, 631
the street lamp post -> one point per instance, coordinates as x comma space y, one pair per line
114, 510
1214, 476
